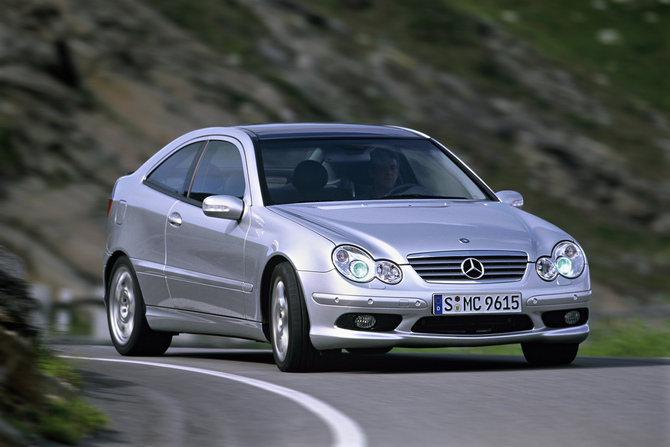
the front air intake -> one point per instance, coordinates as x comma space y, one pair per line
473, 324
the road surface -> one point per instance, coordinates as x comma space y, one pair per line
228, 397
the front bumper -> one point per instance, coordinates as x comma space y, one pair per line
408, 303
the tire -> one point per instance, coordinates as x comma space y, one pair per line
128, 327
368, 351
289, 323
548, 354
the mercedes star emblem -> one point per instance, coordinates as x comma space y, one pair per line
472, 268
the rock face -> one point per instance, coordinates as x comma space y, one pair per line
91, 88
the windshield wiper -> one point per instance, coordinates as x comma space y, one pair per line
421, 196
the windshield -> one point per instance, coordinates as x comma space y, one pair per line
362, 169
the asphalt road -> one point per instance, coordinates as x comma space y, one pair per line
226, 397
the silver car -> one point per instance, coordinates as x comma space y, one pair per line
323, 237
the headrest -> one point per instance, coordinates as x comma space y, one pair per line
309, 175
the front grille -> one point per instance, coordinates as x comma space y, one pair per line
473, 324
446, 266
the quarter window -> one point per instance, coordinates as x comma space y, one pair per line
174, 174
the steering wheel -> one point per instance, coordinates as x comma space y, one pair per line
411, 188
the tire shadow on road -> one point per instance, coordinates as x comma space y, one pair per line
410, 362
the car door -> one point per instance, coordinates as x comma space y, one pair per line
145, 214
205, 255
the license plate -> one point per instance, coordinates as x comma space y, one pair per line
476, 304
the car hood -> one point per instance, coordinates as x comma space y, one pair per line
396, 229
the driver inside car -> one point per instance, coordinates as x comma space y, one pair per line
383, 173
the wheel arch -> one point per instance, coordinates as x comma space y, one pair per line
266, 284
108, 271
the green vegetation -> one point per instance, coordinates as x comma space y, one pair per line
621, 42
223, 25
66, 421
57, 367
618, 49
628, 338
436, 34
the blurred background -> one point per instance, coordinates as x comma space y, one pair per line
567, 102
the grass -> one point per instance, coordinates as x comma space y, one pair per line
608, 338
57, 367
69, 421
625, 43
628, 338
61, 420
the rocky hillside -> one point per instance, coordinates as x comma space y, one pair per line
90, 88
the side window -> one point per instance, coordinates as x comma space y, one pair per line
174, 173
219, 173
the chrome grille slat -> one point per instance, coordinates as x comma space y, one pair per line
446, 266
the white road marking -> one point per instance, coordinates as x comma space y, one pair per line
346, 432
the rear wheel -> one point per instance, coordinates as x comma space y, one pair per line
289, 323
128, 325
549, 354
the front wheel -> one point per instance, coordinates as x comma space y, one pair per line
289, 323
128, 325
549, 354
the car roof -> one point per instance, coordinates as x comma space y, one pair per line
312, 130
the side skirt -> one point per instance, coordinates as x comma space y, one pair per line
181, 321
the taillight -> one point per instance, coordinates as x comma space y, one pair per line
109, 205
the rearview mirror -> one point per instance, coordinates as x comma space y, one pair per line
511, 198
223, 207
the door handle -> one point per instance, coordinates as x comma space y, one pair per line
175, 219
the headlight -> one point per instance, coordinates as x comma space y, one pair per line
356, 265
567, 260
388, 272
570, 260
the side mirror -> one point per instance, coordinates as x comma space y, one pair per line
511, 198
223, 207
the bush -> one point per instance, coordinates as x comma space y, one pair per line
68, 421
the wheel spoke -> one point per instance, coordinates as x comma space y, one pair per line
122, 306
280, 324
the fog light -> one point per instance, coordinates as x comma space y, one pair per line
365, 321
572, 317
